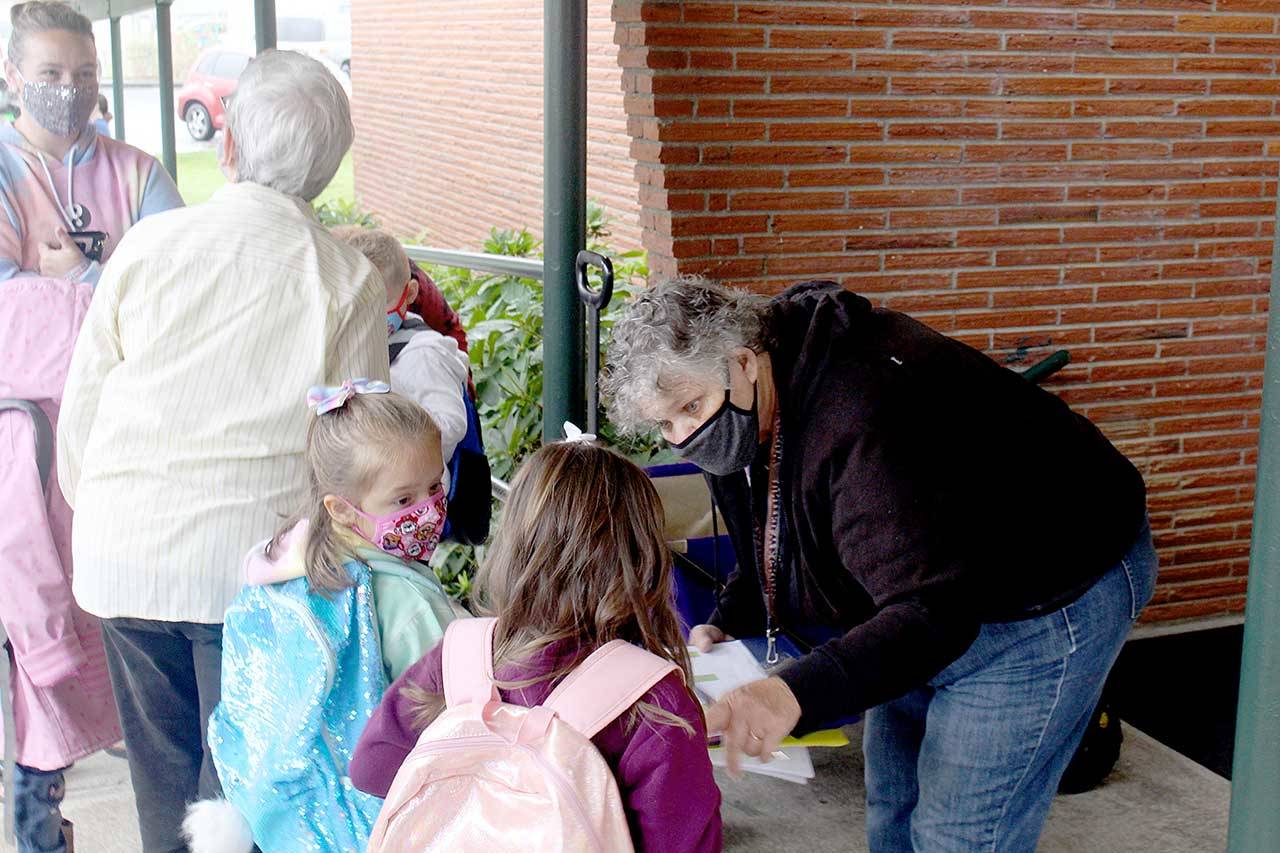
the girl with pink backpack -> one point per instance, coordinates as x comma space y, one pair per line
565, 721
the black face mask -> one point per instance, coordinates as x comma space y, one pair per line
726, 443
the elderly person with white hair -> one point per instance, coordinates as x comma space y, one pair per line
972, 552
184, 421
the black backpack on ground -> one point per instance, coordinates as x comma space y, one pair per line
1098, 752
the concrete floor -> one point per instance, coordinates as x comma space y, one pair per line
1155, 800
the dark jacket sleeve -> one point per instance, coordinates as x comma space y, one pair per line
885, 536
391, 734
665, 778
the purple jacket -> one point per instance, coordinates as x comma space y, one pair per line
663, 773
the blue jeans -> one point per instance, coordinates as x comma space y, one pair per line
972, 760
37, 807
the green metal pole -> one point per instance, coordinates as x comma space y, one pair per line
164, 41
264, 24
564, 206
117, 77
1255, 773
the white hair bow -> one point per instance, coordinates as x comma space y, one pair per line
573, 434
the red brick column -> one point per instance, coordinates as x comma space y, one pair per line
1095, 175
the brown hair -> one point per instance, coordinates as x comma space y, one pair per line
346, 449
580, 556
36, 17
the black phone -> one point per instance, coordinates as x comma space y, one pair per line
91, 243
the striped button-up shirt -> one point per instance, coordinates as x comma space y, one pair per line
184, 420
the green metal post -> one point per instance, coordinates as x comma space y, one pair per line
117, 77
1255, 773
564, 206
164, 42
264, 24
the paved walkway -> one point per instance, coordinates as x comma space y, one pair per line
1155, 800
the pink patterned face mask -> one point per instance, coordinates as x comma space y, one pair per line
411, 533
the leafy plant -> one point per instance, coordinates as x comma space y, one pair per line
345, 211
503, 318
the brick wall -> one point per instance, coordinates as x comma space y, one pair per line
1094, 175
447, 100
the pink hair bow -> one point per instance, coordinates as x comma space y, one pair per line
325, 398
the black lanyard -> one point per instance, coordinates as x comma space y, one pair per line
769, 541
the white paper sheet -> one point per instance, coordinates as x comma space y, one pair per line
725, 667
798, 766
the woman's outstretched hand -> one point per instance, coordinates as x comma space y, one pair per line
703, 637
753, 719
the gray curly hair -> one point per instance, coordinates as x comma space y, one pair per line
676, 329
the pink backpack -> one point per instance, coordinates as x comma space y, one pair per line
489, 776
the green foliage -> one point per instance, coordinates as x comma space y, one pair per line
345, 211
455, 566
503, 318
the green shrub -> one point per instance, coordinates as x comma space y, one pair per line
503, 318
345, 211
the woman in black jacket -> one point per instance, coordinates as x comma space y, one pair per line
980, 550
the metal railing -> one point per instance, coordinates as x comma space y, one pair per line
500, 489
477, 261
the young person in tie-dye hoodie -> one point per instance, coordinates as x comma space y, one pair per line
57, 176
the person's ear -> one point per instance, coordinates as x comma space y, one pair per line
227, 155
412, 291
340, 511
13, 77
748, 361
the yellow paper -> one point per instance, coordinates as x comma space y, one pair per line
826, 737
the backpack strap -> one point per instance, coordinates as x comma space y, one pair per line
606, 684
468, 662
401, 337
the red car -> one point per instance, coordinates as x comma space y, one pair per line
202, 101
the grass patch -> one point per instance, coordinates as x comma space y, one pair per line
199, 178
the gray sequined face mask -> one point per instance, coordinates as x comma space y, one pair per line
63, 109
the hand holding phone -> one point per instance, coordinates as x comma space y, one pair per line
60, 256
90, 243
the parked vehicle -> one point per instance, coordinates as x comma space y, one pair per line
202, 102
313, 36
212, 80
